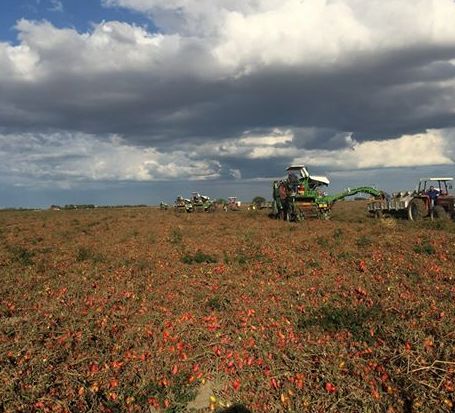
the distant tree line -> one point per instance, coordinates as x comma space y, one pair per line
74, 206
92, 206
17, 209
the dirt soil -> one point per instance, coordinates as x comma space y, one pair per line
133, 310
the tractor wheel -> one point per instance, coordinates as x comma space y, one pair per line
287, 212
324, 215
416, 210
440, 213
299, 215
378, 214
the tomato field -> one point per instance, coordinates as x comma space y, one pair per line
132, 310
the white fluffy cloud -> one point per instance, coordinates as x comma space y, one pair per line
182, 97
67, 159
245, 34
430, 148
434, 147
111, 47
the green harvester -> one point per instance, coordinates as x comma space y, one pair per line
301, 195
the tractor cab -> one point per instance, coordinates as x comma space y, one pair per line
304, 184
196, 197
437, 201
299, 173
441, 185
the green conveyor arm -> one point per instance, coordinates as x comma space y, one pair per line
331, 199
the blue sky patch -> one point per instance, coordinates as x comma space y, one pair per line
77, 14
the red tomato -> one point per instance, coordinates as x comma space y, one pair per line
330, 388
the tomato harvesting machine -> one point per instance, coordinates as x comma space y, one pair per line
301, 195
197, 203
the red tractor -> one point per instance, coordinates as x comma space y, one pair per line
430, 199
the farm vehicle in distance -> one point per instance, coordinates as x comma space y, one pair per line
233, 204
197, 203
300, 196
430, 199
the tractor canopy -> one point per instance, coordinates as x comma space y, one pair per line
322, 180
440, 184
300, 172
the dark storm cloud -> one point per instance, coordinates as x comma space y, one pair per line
226, 97
373, 97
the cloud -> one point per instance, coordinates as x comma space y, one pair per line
56, 5
430, 148
233, 88
334, 68
434, 147
75, 159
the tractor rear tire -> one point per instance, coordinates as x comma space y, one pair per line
440, 214
416, 210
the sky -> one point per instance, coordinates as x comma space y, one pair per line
138, 101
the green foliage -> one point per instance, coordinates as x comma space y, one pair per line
249, 235
21, 254
152, 237
424, 248
241, 258
86, 253
338, 234
345, 255
218, 303
314, 264
333, 319
413, 276
198, 258
176, 236
134, 233
363, 241
226, 258
258, 200
37, 240
83, 254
